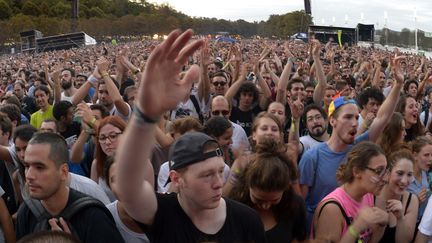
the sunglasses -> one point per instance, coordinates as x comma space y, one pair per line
222, 112
219, 83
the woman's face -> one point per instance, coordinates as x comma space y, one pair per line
411, 112
372, 178
264, 200
424, 157
401, 176
266, 128
278, 110
226, 138
109, 137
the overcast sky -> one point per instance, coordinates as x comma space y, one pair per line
399, 13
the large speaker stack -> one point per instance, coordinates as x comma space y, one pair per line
28, 40
365, 32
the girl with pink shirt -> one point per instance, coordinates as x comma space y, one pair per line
348, 214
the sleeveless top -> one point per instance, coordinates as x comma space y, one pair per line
349, 208
390, 232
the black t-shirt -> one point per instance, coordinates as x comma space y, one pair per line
71, 134
294, 228
244, 118
29, 104
171, 224
92, 224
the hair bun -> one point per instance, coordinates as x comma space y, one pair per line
268, 147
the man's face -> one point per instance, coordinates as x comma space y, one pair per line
79, 81
246, 100
66, 79
211, 69
201, 184
43, 178
372, 106
18, 91
345, 125
309, 92
41, 98
104, 97
97, 114
220, 108
48, 126
316, 124
131, 97
297, 90
220, 85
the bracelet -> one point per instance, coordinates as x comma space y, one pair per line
136, 71
104, 74
353, 232
92, 122
365, 125
143, 118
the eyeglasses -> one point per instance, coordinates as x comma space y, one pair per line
380, 171
221, 112
219, 83
111, 137
316, 117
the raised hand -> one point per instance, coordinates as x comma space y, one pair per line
161, 89
396, 69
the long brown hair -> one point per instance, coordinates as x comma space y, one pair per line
389, 138
100, 155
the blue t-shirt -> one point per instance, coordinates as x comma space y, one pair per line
416, 187
318, 168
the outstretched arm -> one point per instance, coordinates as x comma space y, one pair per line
387, 108
160, 77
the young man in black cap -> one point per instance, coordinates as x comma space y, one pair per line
197, 213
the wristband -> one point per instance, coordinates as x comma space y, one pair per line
143, 118
365, 125
92, 79
353, 232
136, 71
92, 122
104, 74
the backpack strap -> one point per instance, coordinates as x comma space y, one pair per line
347, 219
83, 203
197, 108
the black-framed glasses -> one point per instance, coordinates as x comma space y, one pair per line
220, 112
380, 171
111, 137
219, 83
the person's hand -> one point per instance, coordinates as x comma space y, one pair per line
316, 48
205, 54
296, 107
422, 196
395, 207
369, 118
59, 225
161, 89
369, 217
85, 113
102, 65
396, 69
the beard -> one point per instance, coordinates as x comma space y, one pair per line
66, 85
317, 132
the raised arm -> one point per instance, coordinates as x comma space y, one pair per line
319, 92
119, 103
160, 77
387, 108
204, 80
84, 89
284, 78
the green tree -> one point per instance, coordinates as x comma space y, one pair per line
30, 8
5, 10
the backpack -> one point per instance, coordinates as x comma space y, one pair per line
67, 214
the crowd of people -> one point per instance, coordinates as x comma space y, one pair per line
193, 140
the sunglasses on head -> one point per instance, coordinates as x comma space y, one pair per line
221, 112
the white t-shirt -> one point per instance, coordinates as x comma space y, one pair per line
128, 235
308, 142
422, 118
115, 112
66, 98
89, 187
239, 137
164, 174
425, 226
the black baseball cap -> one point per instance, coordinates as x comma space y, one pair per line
189, 149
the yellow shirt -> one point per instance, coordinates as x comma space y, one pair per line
39, 116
